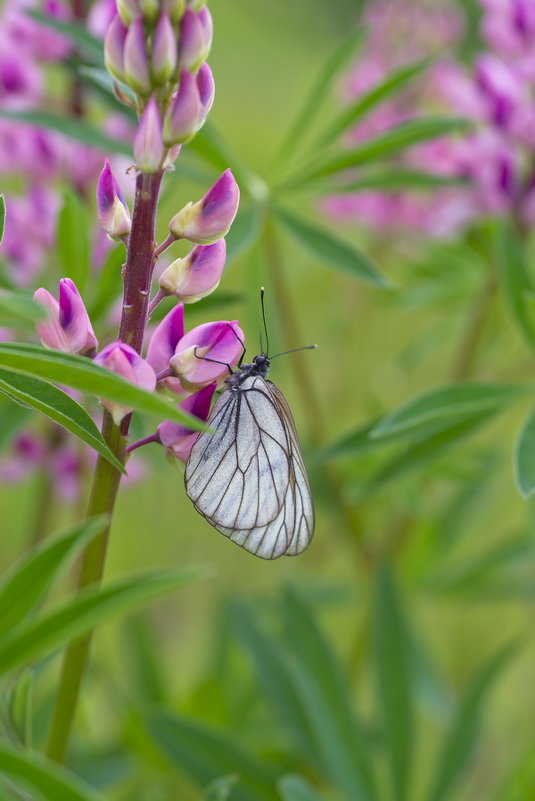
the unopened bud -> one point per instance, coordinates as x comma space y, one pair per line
197, 274
175, 8
148, 142
189, 106
210, 218
164, 51
136, 64
114, 48
126, 362
68, 327
128, 10
112, 210
196, 30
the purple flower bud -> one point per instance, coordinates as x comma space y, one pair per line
136, 63
165, 338
164, 50
112, 210
220, 342
126, 362
197, 274
195, 5
128, 10
68, 328
206, 87
114, 48
500, 88
178, 439
175, 8
149, 9
180, 122
148, 142
210, 218
196, 29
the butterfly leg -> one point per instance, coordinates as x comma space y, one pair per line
214, 361
242, 343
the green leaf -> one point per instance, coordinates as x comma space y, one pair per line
221, 789
524, 458
462, 737
324, 246
35, 639
13, 416
17, 304
72, 238
109, 283
516, 280
454, 402
208, 753
393, 179
326, 696
320, 89
20, 705
72, 127
212, 148
2, 215
384, 145
28, 582
30, 770
59, 407
521, 781
394, 82
418, 455
295, 788
81, 373
78, 34
391, 660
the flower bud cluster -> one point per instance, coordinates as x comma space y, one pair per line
158, 48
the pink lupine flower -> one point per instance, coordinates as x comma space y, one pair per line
196, 275
178, 439
68, 327
163, 343
189, 106
206, 352
112, 210
114, 48
23, 455
210, 218
136, 60
126, 362
164, 50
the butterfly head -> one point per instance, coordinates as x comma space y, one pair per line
261, 364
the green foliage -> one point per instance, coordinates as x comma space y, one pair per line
19, 305
83, 374
73, 127
524, 458
72, 238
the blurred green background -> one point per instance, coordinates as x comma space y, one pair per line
450, 515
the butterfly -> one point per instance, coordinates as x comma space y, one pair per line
247, 476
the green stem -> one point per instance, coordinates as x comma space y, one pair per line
137, 283
466, 353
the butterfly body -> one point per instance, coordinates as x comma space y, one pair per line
248, 478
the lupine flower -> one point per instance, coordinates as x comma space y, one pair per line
196, 275
178, 439
164, 341
126, 362
112, 210
136, 60
196, 30
189, 106
128, 10
206, 352
164, 50
68, 327
148, 143
24, 454
210, 218
175, 8
114, 46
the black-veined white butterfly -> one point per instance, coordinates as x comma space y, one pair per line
248, 478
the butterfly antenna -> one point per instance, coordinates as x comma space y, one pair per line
262, 291
293, 350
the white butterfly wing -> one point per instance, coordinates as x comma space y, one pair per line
248, 478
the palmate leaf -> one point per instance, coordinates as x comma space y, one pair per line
83, 374
29, 770
391, 179
33, 640
393, 83
27, 584
318, 92
295, 788
524, 458
391, 660
384, 145
72, 127
59, 407
326, 247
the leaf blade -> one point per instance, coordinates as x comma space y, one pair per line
524, 458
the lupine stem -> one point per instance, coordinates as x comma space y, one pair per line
158, 297
137, 282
